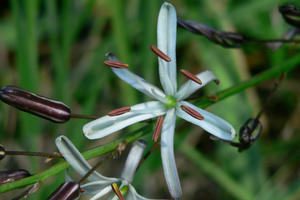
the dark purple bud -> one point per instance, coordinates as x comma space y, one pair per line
35, 104
291, 14
66, 191
223, 38
13, 175
2, 152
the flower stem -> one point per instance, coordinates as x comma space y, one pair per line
265, 75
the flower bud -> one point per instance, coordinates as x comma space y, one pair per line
66, 191
291, 14
35, 104
13, 175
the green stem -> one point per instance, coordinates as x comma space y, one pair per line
209, 168
215, 172
267, 74
87, 155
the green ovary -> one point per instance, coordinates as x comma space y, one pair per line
124, 190
171, 102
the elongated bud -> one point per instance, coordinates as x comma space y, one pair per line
66, 191
291, 14
13, 175
223, 38
35, 104
2, 152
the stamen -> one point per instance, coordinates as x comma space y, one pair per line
119, 111
160, 53
192, 112
117, 191
158, 127
116, 64
191, 76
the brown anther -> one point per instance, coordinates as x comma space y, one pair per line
157, 129
213, 98
117, 191
82, 190
116, 64
191, 76
192, 112
119, 111
160, 53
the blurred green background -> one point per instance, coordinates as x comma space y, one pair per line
57, 48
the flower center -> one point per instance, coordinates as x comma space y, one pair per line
171, 102
124, 189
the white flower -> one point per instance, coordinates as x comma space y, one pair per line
169, 102
99, 185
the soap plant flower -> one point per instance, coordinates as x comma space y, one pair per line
168, 103
99, 185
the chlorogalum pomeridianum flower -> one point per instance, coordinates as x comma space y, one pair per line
168, 103
99, 185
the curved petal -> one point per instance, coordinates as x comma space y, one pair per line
166, 42
97, 186
189, 87
167, 155
76, 160
68, 177
211, 123
103, 192
136, 81
139, 84
133, 159
106, 125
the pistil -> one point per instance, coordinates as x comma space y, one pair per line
171, 102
